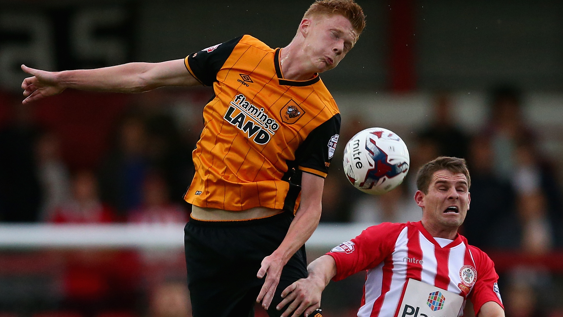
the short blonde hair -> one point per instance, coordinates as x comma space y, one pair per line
347, 8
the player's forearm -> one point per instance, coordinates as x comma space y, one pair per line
322, 270
302, 227
306, 219
491, 309
126, 78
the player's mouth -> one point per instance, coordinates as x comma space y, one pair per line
452, 210
329, 61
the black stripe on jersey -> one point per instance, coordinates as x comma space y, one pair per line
293, 177
289, 82
206, 64
313, 152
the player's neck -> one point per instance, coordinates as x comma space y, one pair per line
438, 231
292, 66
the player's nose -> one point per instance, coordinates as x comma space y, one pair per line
453, 194
338, 48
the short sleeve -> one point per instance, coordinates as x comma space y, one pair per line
486, 287
316, 152
205, 64
365, 251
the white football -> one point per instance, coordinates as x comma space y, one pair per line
376, 160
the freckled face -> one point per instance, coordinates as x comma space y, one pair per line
447, 201
328, 40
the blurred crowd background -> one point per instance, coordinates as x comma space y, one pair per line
478, 80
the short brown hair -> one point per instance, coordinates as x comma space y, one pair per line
452, 164
347, 8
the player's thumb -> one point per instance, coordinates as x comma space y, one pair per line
28, 70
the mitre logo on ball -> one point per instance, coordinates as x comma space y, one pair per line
376, 160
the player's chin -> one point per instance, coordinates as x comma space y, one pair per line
323, 67
331, 66
453, 220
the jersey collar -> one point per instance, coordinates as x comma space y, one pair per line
457, 240
289, 82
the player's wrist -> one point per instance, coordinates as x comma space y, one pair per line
319, 277
281, 255
319, 281
62, 79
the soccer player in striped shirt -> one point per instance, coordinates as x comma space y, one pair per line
269, 135
419, 269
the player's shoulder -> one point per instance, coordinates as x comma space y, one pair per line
384, 229
478, 252
479, 256
471, 247
254, 42
328, 98
382, 236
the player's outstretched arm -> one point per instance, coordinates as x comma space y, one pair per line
304, 296
491, 309
302, 227
125, 78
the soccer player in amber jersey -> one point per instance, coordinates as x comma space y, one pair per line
268, 138
423, 268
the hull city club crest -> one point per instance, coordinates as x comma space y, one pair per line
291, 112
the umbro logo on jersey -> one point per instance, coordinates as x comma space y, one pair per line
245, 80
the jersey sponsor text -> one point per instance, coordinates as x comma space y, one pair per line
251, 120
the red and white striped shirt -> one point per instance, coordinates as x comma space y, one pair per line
392, 253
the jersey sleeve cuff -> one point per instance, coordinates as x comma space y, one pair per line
313, 171
187, 64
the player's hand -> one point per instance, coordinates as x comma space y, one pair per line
272, 267
42, 84
303, 296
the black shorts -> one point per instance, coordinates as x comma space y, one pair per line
223, 259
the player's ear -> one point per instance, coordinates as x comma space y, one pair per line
468, 200
304, 26
419, 198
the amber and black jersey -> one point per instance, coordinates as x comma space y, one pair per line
261, 131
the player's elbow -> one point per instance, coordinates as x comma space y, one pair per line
143, 84
145, 81
141, 78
